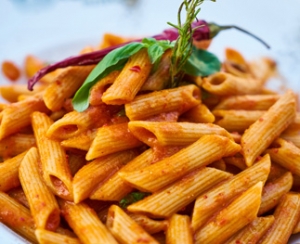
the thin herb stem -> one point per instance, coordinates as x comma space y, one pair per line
184, 44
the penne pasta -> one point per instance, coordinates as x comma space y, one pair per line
225, 84
247, 102
206, 150
261, 134
172, 133
273, 191
179, 230
9, 171
43, 205
252, 232
286, 217
16, 116
125, 229
228, 221
75, 123
285, 154
209, 202
236, 120
91, 175
115, 188
130, 80
150, 225
56, 169
100, 87
171, 199
85, 223
179, 99
64, 85
48, 237
83, 141
11, 93
111, 139
199, 114
17, 217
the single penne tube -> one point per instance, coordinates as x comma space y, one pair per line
97, 171
74, 123
247, 102
81, 217
11, 92
125, 229
83, 141
16, 144
17, 115
206, 150
236, 120
130, 80
116, 188
173, 133
65, 84
273, 191
285, 154
49, 237
9, 171
55, 166
226, 84
179, 99
179, 230
232, 218
111, 139
43, 205
208, 203
252, 232
17, 217
150, 225
161, 77
286, 217
99, 88
235, 63
263, 131
199, 114
171, 199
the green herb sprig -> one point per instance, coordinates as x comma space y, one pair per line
184, 45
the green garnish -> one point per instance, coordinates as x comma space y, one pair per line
184, 45
132, 198
185, 59
116, 60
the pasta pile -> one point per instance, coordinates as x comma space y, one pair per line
215, 160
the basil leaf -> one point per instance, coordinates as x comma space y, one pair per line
155, 52
132, 198
115, 60
156, 49
202, 63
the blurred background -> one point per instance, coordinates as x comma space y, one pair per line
56, 29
